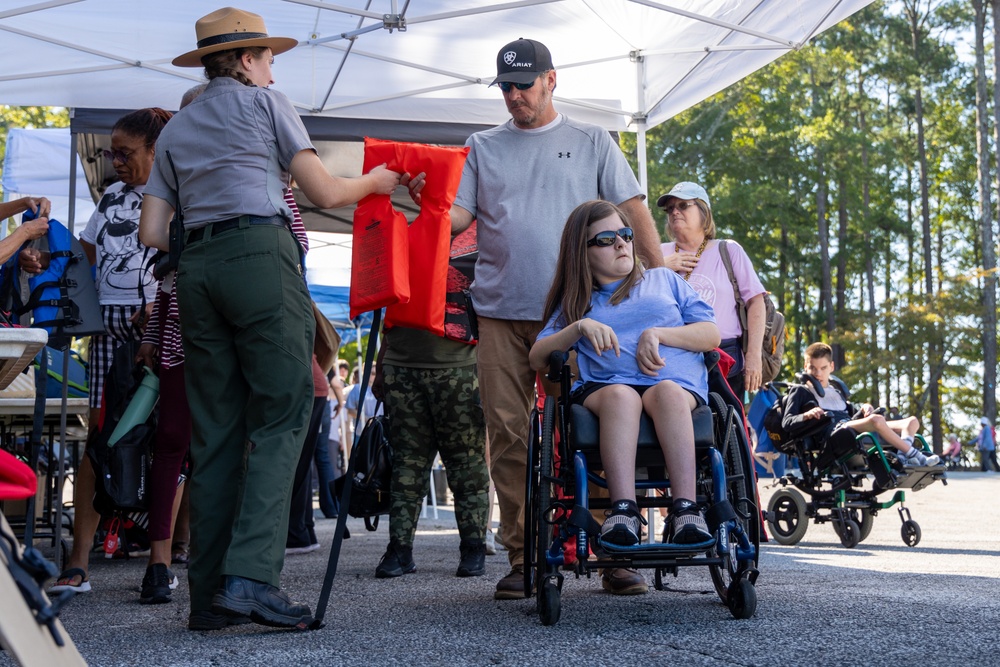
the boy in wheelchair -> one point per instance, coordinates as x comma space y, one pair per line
805, 407
640, 336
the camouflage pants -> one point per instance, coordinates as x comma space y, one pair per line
435, 410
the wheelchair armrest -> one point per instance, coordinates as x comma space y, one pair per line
557, 360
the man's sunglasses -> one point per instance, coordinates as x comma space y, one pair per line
606, 238
505, 86
681, 206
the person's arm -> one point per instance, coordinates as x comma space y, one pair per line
647, 239
326, 191
753, 368
25, 232
460, 219
38, 205
601, 337
154, 223
696, 337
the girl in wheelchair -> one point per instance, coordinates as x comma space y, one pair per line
640, 336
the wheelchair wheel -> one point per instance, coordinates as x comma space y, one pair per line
786, 515
865, 521
531, 493
849, 533
911, 533
742, 601
740, 493
549, 603
543, 500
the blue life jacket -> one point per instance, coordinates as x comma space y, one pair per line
63, 298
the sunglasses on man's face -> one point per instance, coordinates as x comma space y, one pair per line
505, 86
678, 206
606, 238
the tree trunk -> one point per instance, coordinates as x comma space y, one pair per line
989, 252
869, 283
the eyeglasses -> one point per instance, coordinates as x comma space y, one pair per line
679, 206
505, 86
607, 238
113, 155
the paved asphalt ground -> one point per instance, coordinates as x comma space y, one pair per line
881, 603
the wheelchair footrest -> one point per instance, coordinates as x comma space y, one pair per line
655, 549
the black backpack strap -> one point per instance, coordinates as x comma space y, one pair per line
345, 496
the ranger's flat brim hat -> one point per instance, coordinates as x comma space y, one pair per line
231, 28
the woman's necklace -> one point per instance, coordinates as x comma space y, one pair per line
697, 256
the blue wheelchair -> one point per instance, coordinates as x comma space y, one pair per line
564, 460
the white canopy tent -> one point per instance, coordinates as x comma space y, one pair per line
624, 64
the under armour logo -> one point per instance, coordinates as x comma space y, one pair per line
566, 154
510, 57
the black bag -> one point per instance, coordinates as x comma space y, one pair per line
123, 471
775, 431
372, 473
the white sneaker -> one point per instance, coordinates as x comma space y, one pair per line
294, 551
915, 457
491, 543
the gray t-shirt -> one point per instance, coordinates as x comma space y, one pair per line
231, 147
521, 185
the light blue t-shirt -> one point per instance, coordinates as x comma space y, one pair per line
660, 299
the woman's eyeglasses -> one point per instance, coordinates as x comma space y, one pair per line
113, 155
606, 238
505, 86
679, 206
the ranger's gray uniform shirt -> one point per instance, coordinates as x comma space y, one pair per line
201, 138
521, 185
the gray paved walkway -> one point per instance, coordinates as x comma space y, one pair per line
881, 603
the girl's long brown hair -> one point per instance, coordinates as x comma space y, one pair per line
574, 281
226, 63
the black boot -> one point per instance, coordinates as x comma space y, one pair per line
473, 563
396, 561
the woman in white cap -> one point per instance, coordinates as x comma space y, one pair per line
248, 320
694, 254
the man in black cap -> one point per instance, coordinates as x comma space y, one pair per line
521, 181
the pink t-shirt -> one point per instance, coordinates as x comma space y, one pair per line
711, 281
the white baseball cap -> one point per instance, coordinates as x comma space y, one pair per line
685, 190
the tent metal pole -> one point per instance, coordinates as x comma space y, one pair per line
640, 122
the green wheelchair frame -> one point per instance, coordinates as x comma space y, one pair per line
838, 493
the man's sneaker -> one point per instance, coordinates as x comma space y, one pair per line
623, 581
473, 562
511, 587
686, 524
156, 585
623, 524
491, 543
396, 561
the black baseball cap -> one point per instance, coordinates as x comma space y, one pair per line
522, 61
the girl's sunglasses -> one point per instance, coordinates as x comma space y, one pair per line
679, 206
505, 86
606, 238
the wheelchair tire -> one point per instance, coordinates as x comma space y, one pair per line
910, 532
531, 489
549, 603
786, 516
741, 493
543, 501
742, 599
849, 533
865, 521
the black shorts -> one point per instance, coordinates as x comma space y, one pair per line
587, 388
